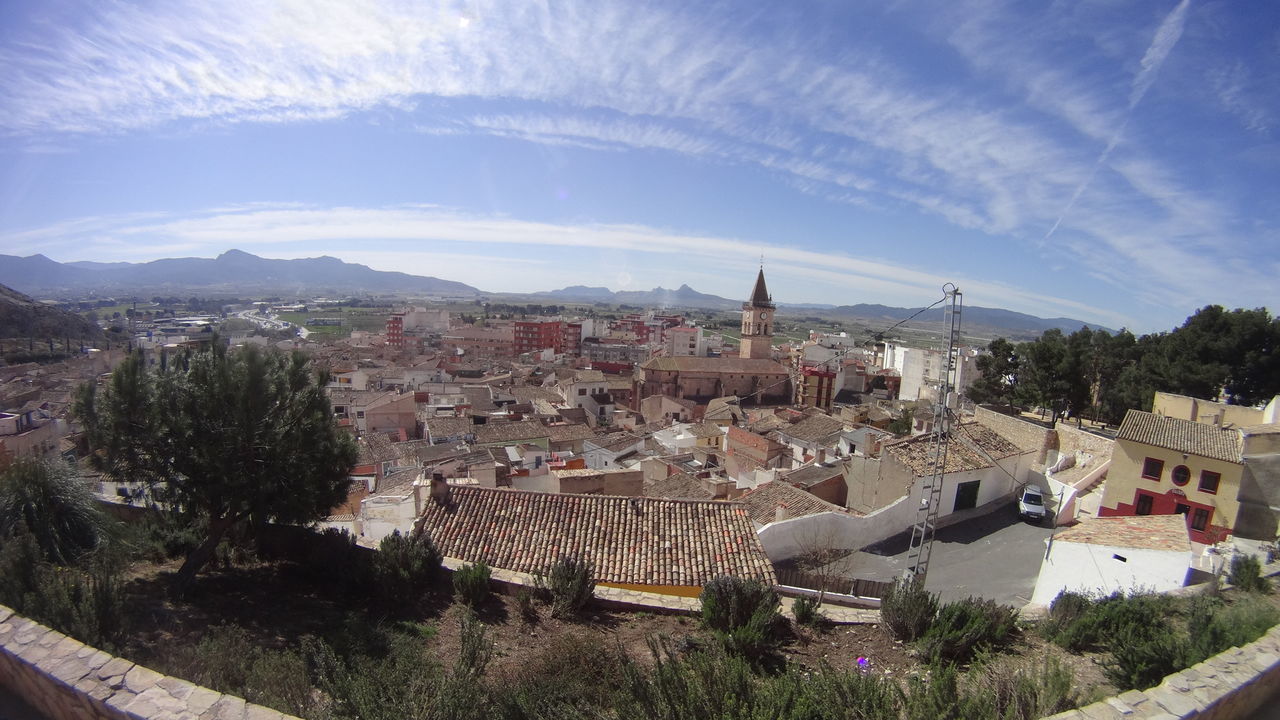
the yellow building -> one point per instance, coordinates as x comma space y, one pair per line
1165, 465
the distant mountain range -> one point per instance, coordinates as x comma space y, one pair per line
232, 271
683, 296
238, 272
995, 319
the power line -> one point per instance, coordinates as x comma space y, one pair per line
878, 336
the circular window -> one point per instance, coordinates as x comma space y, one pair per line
1181, 475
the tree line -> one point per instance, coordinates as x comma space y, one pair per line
1094, 374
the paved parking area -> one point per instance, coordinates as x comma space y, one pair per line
994, 556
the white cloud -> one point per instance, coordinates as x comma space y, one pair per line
610, 75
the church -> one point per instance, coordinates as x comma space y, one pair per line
753, 376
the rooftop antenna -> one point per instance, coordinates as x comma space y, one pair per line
931, 490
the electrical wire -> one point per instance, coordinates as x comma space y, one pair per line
877, 336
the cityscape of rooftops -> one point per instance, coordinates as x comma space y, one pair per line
385, 359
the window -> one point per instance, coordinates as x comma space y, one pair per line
1180, 476
1200, 520
1151, 468
1182, 508
582, 391
1144, 505
1209, 481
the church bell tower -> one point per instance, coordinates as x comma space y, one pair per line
757, 322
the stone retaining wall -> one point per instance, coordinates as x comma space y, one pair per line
65, 679
1227, 686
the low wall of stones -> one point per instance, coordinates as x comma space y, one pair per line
65, 679
1229, 686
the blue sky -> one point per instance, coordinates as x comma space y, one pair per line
1112, 162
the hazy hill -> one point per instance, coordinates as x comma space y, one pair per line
23, 317
1007, 321
233, 271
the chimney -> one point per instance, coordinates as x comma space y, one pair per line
440, 493
780, 513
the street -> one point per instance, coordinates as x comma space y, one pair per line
995, 556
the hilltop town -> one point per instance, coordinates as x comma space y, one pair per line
665, 456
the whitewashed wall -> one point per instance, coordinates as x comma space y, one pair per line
1082, 567
788, 538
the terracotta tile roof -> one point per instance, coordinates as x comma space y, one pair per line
810, 475
1193, 438
678, 485
398, 481
706, 430
444, 427
643, 541
529, 392
767, 423
1148, 532
376, 447
617, 441
569, 432
763, 501
690, 363
816, 428
990, 441
496, 432
917, 454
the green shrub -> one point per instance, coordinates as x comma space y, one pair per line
570, 674
228, 659
1246, 574
1213, 627
806, 611
571, 585
743, 615
1014, 689
86, 603
405, 567
1104, 619
471, 584
730, 602
474, 648
1141, 657
963, 627
715, 684
54, 505
907, 609
525, 603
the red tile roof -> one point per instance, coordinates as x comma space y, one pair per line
642, 541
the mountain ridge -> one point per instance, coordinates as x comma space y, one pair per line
237, 270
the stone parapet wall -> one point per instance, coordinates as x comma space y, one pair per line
1026, 435
66, 679
1230, 685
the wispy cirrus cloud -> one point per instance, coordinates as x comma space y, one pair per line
862, 127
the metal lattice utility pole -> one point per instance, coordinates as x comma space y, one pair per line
931, 491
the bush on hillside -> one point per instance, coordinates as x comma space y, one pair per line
806, 611
405, 566
571, 585
1246, 574
471, 584
907, 609
743, 615
966, 626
